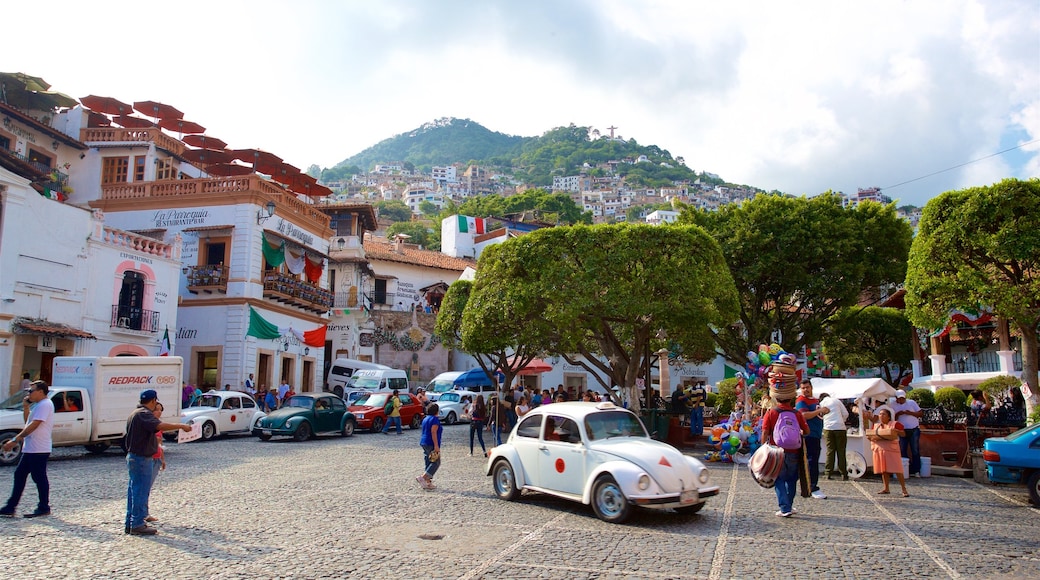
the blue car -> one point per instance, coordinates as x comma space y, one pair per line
306, 415
1015, 459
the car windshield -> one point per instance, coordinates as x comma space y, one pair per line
365, 383
613, 424
354, 396
1022, 432
440, 386
374, 400
207, 401
14, 402
301, 402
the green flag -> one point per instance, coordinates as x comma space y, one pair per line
261, 328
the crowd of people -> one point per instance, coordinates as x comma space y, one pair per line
267, 399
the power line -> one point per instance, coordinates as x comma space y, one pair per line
961, 165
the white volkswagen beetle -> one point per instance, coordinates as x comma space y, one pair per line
222, 412
599, 454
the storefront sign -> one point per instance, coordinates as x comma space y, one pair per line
168, 218
286, 228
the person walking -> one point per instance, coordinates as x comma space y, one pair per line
430, 441
478, 415
142, 444
909, 413
813, 414
835, 436
35, 439
394, 416
784, 426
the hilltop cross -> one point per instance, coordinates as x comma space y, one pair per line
611, 131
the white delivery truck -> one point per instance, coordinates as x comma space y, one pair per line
93, 397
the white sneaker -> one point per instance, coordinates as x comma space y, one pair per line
782, 514
819, 494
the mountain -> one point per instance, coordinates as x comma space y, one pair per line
560, 151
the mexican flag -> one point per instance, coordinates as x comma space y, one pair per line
471, 225
164, 346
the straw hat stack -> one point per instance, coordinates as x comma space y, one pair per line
783, 383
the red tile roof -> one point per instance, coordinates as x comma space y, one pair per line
47, 328
383, 249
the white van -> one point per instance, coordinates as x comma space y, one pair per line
376, 380
441, 383
344, 368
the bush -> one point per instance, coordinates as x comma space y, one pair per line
951, 399
998, 389
1035, 417
925, 398
727, 396
711, 400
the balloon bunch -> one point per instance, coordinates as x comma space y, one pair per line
731, 439
759, 362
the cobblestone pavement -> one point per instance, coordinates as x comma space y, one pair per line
350, 508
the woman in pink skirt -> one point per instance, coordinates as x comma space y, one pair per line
884, 442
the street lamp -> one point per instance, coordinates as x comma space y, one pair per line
262, 215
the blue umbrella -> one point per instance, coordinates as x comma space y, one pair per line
475, 378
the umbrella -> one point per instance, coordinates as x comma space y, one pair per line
158, 110
204, 141
207, 156
133, 122
535, 367
181, 126
277, 170
256, 156
106, 105
475, 378
98, 120
27, 82
228, 170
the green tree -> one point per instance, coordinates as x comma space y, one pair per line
428, 208
417, 232
798, 261
871, 337
604, 294
980, 246
394, 210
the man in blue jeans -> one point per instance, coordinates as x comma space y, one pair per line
141, 444
394, 417
695, 399
35, 438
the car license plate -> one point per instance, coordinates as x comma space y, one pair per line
268, 432
688, 496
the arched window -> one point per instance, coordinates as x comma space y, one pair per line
131, 298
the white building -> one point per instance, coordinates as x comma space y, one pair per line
662, 216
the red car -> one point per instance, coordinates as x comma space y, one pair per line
368, 410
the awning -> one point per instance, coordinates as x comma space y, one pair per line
46, 328
209, 228
853, 388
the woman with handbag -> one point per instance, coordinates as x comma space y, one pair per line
884, 443
430, 441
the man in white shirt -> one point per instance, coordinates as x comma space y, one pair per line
834, 435
908, 412
250, 387
35, 438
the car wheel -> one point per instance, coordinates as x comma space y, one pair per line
1034, 487
377, 424
416, 422
208, 430
264, 437
338, 391
451, 419
348, 428
609, 503
303, 432
504, 481
97, 448
689, 510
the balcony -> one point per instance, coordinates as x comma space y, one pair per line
118, 135
387, 300
296, 292
346, 249
208, 279
136, 319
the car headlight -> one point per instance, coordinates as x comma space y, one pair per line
644, 482
360, 415
703, 476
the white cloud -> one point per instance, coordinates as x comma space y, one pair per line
799, 97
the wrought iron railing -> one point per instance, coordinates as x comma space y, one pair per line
298, 292
132, 318
207, 276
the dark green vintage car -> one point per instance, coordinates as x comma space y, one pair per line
305, 415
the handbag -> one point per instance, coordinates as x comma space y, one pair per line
435, 456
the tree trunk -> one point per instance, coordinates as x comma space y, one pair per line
1029, 366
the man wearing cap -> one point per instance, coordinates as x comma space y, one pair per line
908, 412
142, 444
35, 438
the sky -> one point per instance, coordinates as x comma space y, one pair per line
803, 97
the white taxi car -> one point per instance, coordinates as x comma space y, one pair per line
599, 454
222, 412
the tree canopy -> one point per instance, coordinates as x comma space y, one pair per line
797, 261
980, 247
603, 292
393, 210
871, 337
417, 232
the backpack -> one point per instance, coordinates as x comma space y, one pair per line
388, 408
786, 432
